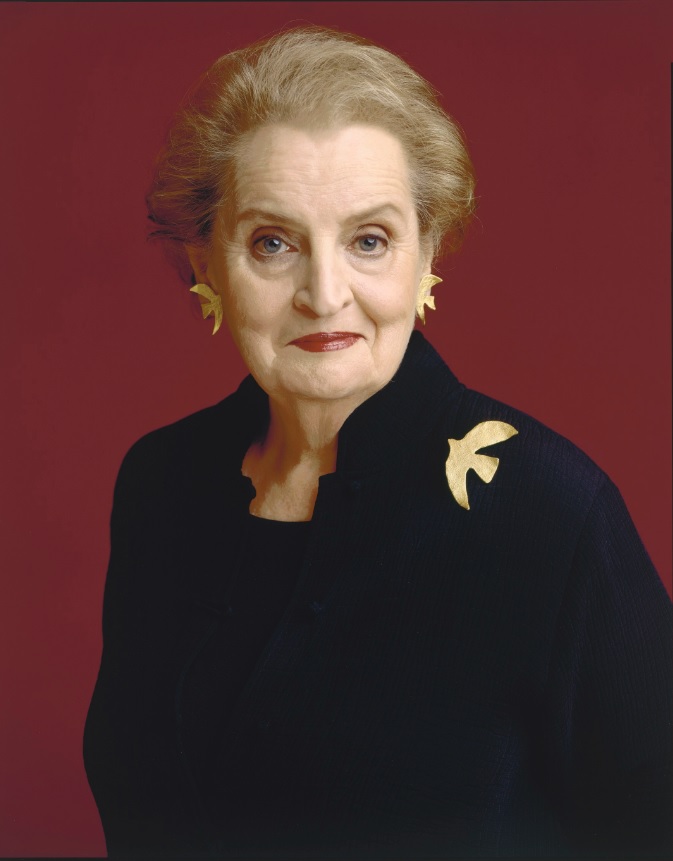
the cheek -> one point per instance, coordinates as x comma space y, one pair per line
393, 300
252, 314
250, 302
403, 286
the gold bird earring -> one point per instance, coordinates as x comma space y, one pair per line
213, 305
425, 297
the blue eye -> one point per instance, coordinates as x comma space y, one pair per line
270, 245
370, 243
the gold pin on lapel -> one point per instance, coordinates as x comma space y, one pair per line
463, 457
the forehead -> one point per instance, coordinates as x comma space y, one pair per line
329, 171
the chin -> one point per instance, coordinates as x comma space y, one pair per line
333, 391
339, 384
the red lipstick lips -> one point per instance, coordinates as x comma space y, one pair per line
323, 342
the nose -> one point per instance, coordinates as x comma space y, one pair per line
325, 287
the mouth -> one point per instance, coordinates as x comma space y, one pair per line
324, 342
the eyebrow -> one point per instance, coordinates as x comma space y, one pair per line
364, 216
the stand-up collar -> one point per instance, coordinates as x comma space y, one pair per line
403, 411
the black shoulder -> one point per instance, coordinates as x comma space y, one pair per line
546, 472
151, 459
187, 434
201, 436
191, 451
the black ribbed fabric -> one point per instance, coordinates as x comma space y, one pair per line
444, 683
271, 559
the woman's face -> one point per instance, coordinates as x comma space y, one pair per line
319, 268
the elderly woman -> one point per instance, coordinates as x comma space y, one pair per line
356, 610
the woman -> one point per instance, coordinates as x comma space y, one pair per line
335, 627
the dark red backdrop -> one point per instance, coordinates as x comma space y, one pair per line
559, 303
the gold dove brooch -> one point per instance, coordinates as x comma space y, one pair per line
463, 456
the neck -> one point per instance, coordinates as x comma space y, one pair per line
300, 445
304, 432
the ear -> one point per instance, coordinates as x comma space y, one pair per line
198, 259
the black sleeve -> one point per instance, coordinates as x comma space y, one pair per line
127, 789
611, 693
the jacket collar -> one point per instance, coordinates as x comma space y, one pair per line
402, 412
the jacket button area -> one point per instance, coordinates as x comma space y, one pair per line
315, 608
354, 485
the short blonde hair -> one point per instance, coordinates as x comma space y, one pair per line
312, 77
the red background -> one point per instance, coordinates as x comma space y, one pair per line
559, 303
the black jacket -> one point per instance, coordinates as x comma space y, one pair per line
444, 683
